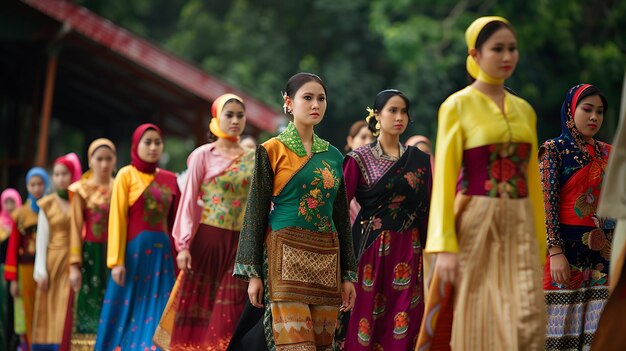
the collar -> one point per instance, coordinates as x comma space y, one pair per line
292, 141
378, 152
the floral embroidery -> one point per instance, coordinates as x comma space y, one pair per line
507, 169
368, 277
364, 333
99, 219
401, 276
379, 306
324, 182
401, 325
156, 204
223, 195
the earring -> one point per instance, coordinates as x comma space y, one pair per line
377, 126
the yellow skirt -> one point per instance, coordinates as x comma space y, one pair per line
499, 302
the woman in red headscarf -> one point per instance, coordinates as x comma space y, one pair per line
52, 247
143, 205
207, 300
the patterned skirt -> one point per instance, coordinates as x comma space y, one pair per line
498, 304
205, 304
574, 310
130, 313
389, 298
88, 303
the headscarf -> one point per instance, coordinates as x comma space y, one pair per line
5, 216
216, 112
570, 144
141, 165
471, 35
41, 173
72, 163
97, 144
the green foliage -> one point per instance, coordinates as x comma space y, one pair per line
360, 47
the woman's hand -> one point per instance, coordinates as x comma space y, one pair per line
255, 292
118, 273
348, 296
15, 289
559, 266
183, 260
43, 284
447, 267
76, 277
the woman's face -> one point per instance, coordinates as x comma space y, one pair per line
9, 205
102, 161
150, 146
498, 55
394, 117
363, 137
233, 119
61, 176
309, 104
589, 116
36, 187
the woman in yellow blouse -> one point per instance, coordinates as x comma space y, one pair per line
489, 253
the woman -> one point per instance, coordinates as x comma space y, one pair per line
207, 300
143, 205
359, 135
9, 201
491, 250
52, 298
392, 184
576, 275
295, 247
421, 142
90, 215
20, 260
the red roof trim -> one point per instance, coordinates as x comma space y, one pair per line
151, 57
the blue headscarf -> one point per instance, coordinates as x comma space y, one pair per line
39, 172
571, 145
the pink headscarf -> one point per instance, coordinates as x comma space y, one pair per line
72, 163
141, 165
5, 216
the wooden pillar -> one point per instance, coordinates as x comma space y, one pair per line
46, 109
200, 126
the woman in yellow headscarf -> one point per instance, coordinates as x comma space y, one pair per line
207, 300
486, 293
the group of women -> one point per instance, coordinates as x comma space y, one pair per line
296, 247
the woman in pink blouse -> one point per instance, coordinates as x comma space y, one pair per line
206, 301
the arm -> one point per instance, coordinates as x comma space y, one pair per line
118, 219
550, 168
77, 221
341, 219
189, 213
351, 175
41, 248
10, 264
249, 259
448, 160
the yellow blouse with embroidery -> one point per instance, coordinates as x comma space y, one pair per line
469, 119
128, 186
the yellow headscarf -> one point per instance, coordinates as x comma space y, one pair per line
471, 34
216, 111
92, 147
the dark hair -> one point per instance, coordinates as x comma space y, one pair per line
591, 91
298, 80
379, 103
488, 30
355, 129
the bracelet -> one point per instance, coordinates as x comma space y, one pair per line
556, 254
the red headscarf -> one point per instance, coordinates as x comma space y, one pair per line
72, 163
141, 165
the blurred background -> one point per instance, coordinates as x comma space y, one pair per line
72, 71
